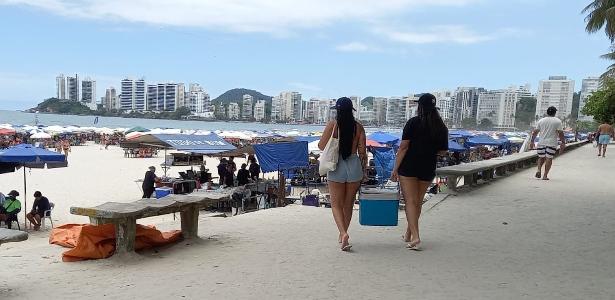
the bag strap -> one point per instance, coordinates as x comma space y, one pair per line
333, 131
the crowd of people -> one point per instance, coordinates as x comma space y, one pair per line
230, 176
10, 206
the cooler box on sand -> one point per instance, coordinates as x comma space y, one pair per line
378, 207
163, 191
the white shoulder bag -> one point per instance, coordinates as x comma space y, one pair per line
329, 156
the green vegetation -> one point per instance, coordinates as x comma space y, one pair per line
368, 102
601, 104
468, 123
57, 106
586, 126
600, 15
524, 114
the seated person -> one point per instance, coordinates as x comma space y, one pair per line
41, 204
10, 208
243, 175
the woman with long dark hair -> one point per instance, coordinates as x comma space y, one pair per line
345, 181
424, 138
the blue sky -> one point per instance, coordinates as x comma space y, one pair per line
322, 48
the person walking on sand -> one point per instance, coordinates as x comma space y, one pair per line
605, 134
424, 138
345, 181
550, 128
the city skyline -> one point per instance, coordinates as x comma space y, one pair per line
318, 53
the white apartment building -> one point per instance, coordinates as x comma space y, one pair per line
588, 87
246, 112
276, 109
311, 111
366, 115
395, 110
380, 110
259, 110
292, 106
110, 101
164, 96
556, 91
88, 93
466, 103
133, 95
72, 88
356, 104
199, 101
411, 106
498, 106
61, 87
233, 111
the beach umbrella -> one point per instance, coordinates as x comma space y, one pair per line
383, 137
40, 135
372, 143
137, 129
7, 131
28, 156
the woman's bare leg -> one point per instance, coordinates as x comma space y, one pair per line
337, 191
351, 194
410, 187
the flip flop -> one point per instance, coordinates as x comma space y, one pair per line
545, 179
415, 247
346, 248
537, 175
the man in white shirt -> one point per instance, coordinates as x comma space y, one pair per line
550, 128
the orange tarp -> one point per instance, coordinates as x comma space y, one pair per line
98, 241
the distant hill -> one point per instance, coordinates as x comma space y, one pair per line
236, 95
368, 101
57, 106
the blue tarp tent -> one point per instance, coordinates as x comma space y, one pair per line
201, 144
383, 138
460, 133
384, 159
455, 147
483, 140
308, 139
282, 156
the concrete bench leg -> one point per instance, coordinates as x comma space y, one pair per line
125, 233
99, 221
500, 171
190, 222
452, 183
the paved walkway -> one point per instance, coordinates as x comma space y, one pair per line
515, 238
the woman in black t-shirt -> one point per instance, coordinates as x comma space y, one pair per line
424, 138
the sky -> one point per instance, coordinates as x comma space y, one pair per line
321, 48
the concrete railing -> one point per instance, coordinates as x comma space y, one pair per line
486, 170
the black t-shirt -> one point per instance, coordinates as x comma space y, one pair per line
41, 205
255, 170
423, 147
149, 180
242, 176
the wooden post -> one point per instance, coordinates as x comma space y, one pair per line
125, 234
190, 222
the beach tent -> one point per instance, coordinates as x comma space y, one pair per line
460, 133
384, 160
483, 140
383, 138
201, 144
372, 143
28, 156
282, 156
7, 131
455, 147
137, 129
308, 139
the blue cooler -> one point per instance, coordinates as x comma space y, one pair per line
163, 192
378, 207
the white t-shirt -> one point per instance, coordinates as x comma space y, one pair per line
548, 128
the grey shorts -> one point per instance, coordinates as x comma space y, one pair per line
348, 170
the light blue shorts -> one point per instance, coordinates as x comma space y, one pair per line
604, 139
348, 170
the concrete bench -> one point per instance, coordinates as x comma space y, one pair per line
488, 169
124, 215
10, 235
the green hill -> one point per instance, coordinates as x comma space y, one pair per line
368, 101
236, 95
57, 106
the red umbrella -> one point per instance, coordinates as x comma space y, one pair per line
7, 131
372, 143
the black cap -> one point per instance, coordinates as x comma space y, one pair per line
343, 103
551, 111
14, 193
427, 100
37, 194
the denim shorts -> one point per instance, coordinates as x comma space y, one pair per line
348, 170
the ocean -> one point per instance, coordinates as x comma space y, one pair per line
23, 118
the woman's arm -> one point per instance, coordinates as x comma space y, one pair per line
401, 153
361, 148
326, 135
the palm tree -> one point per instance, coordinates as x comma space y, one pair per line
610, 71
601, 13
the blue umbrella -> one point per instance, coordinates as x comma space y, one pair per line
455, 147
27, 156
383, 137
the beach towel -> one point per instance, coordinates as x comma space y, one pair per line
98, 241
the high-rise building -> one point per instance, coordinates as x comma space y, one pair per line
133, 95
556, 91
72, 88
110, 100
88, 93
199, 101
311, 111
499, 107
380, 110
411, 106
259, 110
588, 87
445, 101
61, 87
233, 111
276, 109
356, 103
466, 103
247, 103
366, 115
292, 106
164, 96
395, 110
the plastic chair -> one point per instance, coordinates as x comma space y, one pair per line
47, 215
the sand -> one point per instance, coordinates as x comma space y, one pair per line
515, 238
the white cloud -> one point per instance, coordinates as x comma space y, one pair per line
437, 34
354, 47
268, 16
